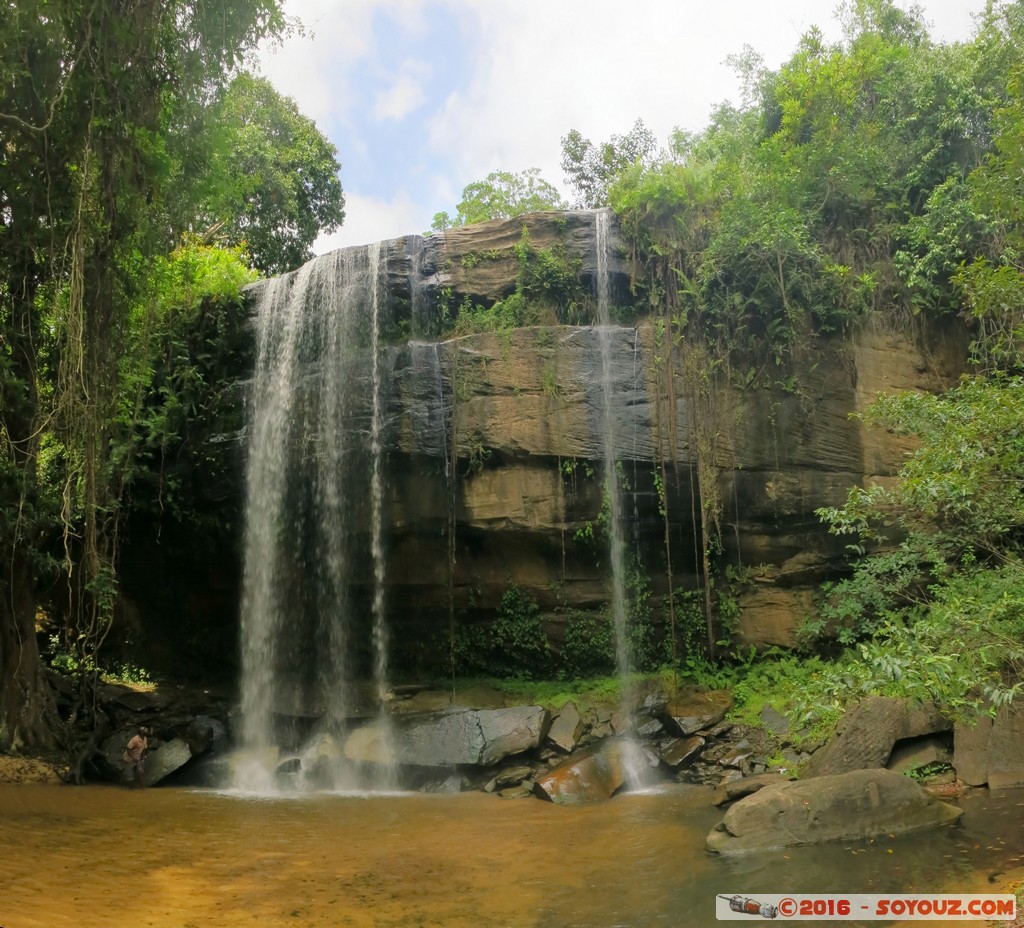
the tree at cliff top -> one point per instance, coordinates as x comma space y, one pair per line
592, 169
501, 195
88, 94
258, 172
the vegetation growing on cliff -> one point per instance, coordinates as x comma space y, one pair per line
879, 177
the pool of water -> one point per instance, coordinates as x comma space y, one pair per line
175, 858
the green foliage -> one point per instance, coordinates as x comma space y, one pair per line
840, 188
547, 285
501, 195
271, 178
589, 647
191, 338
939, 615
89, 94
962, 648
592, 169
515, 644
963, 487
70, 662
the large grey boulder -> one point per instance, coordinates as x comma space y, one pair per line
867, 733
991, 751
473, 737
858, 804
164, 759
567, 728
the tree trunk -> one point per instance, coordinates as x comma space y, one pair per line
28, 716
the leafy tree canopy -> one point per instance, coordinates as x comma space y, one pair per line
502, 195
591, 169
270, 178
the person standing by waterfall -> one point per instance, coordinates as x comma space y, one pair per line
134, 758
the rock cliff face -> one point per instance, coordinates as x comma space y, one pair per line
501, 436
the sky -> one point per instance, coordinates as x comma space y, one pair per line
422, 97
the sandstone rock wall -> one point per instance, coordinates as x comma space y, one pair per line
503, 433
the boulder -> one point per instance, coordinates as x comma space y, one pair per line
590, 775
680, 751
513, 776
992, 751
867, 733
733, 787
648, 728
164, 759
510, 731
368, 745
698, 710
206, 733
567, 728
846, 806
774, 721
474, 737
916, 753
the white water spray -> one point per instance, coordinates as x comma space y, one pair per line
313, 464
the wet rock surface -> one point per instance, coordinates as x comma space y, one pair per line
590, 775
854, 805
992, 750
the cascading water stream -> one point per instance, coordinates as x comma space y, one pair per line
386, 774
611, 477
314, 462
632, 762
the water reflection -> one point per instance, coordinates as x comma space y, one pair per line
175, 858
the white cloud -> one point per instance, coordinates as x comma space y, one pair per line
307, 68
372, 220
595, 66
405, 93
534, 71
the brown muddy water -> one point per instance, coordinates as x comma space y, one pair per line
104, 857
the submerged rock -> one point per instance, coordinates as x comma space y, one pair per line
858, 804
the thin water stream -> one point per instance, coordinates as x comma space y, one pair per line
103, 857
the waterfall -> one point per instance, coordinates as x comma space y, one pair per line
632, 759
612, 489
387, 772
315, 494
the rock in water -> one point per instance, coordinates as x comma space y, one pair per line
858, 804
590, 775
478, 737
165, 759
